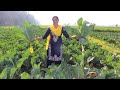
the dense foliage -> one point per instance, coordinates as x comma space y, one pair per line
80, 60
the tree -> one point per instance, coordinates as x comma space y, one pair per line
11, 18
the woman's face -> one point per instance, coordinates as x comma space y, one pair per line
55, 21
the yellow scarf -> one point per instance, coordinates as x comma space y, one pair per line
57, 31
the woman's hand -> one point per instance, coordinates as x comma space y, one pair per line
39, 38
33, 40
74, 36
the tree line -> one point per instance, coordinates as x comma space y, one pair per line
15, 18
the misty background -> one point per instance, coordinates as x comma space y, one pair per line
16, 18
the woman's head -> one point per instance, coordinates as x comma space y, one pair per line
55, 20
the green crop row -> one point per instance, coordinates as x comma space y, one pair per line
17, 62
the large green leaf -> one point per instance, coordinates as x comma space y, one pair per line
80, 22
25, 75
35, 72
28, 30
3, 75
12, 72
20, 62
26, 53
83, 29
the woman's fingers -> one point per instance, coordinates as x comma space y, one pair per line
33, 40
74, 36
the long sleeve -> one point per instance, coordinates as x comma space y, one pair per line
64, 32
46, 33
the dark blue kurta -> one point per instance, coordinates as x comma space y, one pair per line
54, 51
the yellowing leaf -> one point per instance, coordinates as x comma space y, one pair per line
31, 49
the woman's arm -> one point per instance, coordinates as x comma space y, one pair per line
38, 38
66, 34
44, 37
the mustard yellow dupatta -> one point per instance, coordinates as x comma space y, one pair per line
57, 31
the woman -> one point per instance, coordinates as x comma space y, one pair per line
54, 41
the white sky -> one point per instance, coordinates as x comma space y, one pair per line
98, 17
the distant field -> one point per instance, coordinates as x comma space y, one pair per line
103, 28
7, 26
97, 28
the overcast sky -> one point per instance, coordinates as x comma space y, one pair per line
98, 17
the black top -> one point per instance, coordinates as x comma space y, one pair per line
59, 38
54, 51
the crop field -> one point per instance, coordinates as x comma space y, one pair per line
93, 54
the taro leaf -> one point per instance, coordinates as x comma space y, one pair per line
89, 59
20, 62
81, 72
82, 40
33, 60
26, 53
48, 76
28, 30
1, 59
35, 72
25, 75
3, 75
79, 22
12, 72
103, 73
84, 31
